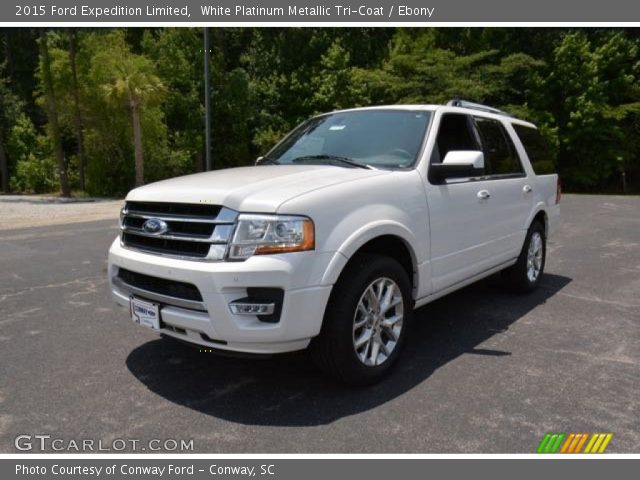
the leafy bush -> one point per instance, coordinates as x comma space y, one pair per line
35, 175
35, 168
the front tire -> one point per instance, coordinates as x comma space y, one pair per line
527, 273
366, 321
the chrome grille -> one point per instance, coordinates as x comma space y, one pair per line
185, 230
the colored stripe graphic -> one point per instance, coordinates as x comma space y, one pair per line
578, 447
543, 443
606, 441
551, 442
598, 442
568, 442
592, 440
556, 445
554, 442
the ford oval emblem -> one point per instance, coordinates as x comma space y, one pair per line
155, 226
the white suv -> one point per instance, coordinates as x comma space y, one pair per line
352, 221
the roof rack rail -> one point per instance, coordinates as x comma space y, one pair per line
456, 102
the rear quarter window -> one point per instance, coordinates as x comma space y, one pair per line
540, 155
500, 155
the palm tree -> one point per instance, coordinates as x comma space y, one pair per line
135, 85
52, 113
4, 169
77, 115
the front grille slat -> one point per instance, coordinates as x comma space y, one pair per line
174, 209
164, 245
192, 231
187, 238
174, 218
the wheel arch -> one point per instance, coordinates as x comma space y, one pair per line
540, 216
390, 241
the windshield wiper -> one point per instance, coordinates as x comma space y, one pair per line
267, 161
332, 158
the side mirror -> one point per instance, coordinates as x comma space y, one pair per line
258, 160
458, 164
465, 157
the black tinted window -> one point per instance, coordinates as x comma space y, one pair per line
538, 151
454, 134
500, 157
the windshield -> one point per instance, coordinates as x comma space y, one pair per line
367, 138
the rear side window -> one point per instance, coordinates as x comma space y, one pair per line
499, 152
540, 155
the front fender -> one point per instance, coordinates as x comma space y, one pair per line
360, 237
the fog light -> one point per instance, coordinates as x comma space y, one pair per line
265, 303
249, 308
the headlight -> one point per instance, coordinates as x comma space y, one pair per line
261, 234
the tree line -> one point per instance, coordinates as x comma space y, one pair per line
102, 110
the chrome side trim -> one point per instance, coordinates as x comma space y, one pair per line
165, 299
462, 283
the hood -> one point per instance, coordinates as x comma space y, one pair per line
249, 189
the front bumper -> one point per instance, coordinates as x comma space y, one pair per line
299, 275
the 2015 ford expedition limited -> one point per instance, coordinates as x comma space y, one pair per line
352, 221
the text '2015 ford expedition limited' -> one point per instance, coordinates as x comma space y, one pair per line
338, 233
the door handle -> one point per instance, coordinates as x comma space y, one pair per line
484, 194
527, 189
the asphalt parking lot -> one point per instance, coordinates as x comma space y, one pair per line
485, 370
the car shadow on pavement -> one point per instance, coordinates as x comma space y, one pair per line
287, 390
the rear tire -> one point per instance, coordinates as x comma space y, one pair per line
527, 273
366, 321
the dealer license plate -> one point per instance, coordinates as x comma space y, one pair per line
145, 313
